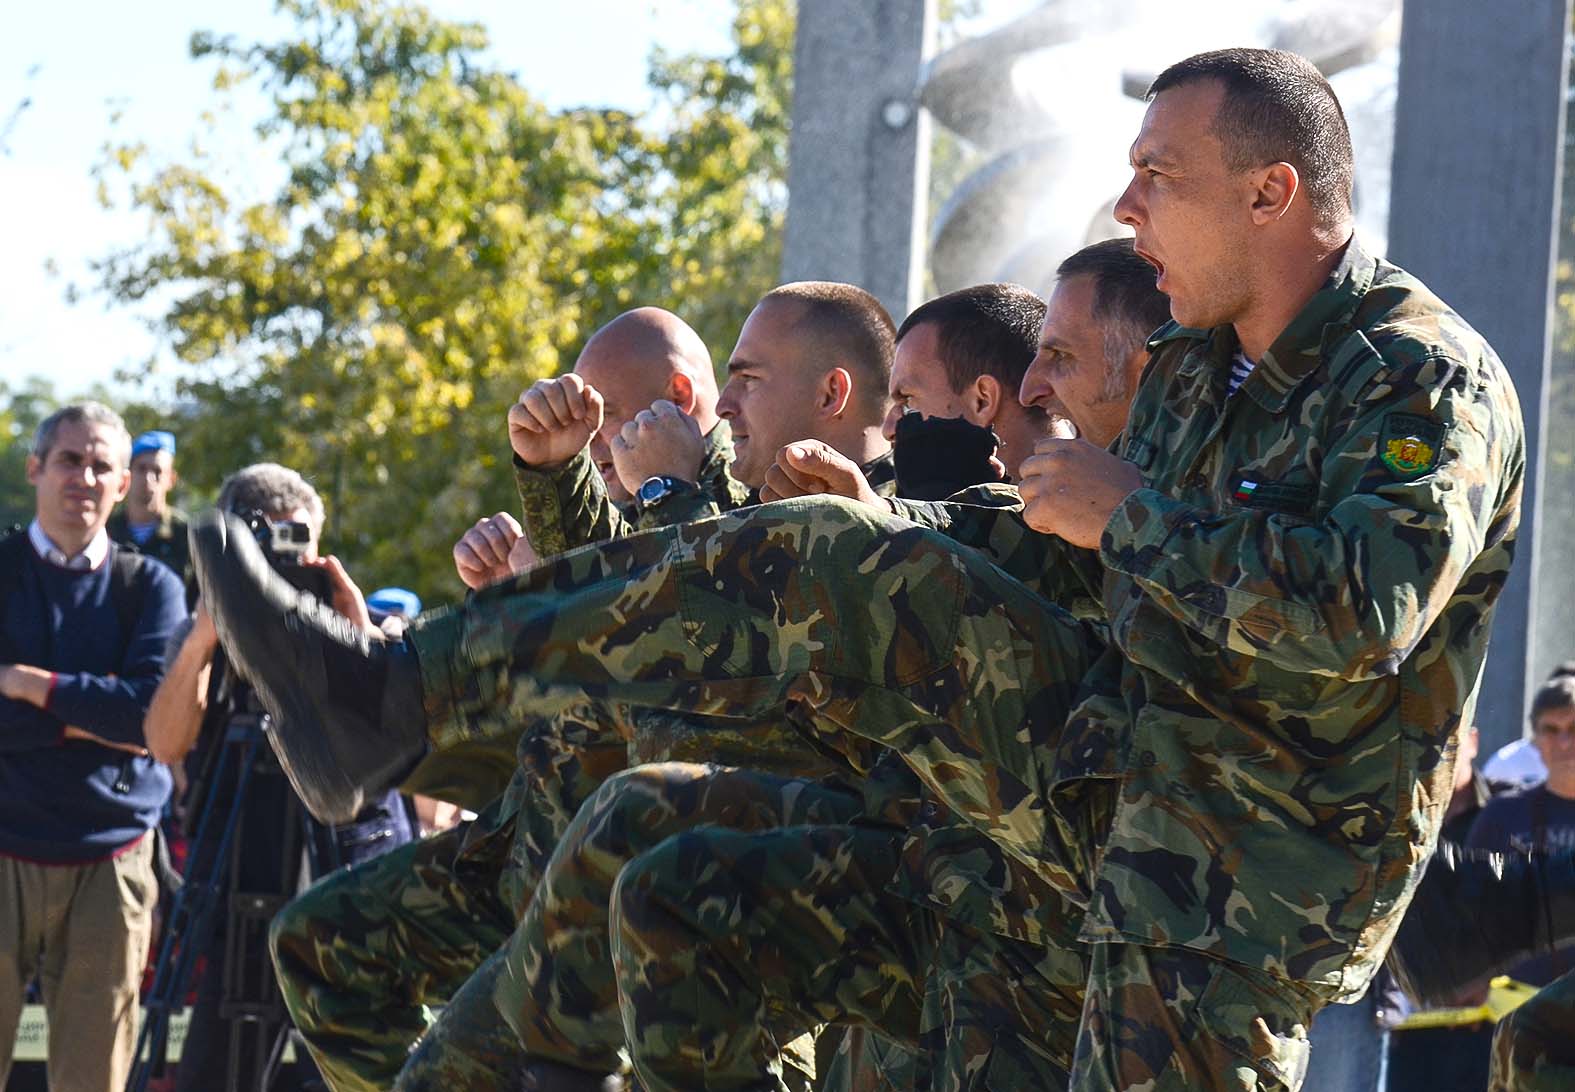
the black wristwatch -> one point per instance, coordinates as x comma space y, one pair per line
654, 490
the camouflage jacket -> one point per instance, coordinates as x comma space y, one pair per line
1299, 601
167, 543
569, 507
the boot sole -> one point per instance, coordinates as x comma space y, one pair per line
221, 547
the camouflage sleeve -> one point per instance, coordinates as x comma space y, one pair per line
684, 505
566, 507
989, 518
1425, 473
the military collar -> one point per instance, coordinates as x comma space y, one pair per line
881, 470
1298, 351
718, 447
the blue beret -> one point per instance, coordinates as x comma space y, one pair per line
395, 601
154, 440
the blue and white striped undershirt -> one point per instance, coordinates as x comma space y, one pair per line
1240, 369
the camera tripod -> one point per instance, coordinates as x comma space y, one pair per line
259, 1026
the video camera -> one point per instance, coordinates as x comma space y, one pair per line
284, 543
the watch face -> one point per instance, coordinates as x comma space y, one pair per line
653, 489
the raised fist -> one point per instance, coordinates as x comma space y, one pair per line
807, 468
483, 555
553, 420
662, 440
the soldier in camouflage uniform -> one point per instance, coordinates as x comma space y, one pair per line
331, 977
1300, 588
1299, 574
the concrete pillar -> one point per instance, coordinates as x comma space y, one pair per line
1479, 144
859, 153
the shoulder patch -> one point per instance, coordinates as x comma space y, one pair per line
1408, 444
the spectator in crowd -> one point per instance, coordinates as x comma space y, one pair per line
1543, 816
1455, 1056
392, 609
83, 631
1520, 762
148, 521
186, 722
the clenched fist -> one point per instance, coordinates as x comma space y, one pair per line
553, 420
1070, 488
490, 551
660, 441
809, 468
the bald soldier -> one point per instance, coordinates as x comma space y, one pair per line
643, 365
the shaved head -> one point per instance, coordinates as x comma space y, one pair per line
640, 357
634, 358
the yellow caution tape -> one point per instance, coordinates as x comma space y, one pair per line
1505, 995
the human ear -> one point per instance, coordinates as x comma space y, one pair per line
836, 390
1276, 187
681, 393
983, 401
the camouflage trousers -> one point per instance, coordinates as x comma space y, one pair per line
364, 955
879, 629
1534, 1046
864, 955
719, 933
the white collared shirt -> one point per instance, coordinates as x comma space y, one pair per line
90, 558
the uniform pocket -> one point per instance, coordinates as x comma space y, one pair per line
1258, 1021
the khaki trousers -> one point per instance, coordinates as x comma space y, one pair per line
85, 930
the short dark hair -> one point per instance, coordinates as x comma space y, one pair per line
1557, 693
849, 324
1278, 108
82, 413
1127, 304
988, 329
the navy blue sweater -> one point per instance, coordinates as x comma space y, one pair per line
58, 798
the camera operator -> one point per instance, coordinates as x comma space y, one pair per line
187, 721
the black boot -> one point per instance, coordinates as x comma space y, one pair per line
347, 719
1476, 914
543, 1076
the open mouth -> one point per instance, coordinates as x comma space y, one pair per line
1159, 266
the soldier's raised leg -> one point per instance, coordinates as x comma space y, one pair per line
728, 943
744, 938
881, 628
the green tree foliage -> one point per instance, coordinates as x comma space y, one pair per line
21, 409
439, 240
